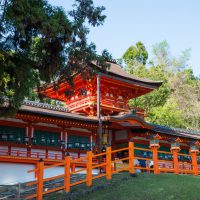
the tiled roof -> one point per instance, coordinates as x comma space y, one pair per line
62, 112
54, 111
175, 131
117, 71
45, 106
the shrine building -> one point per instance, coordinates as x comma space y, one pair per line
96, 114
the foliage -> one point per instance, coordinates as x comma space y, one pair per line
177, 102
40, 43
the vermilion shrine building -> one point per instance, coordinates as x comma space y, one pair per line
45, 131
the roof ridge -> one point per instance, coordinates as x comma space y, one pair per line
44, 105
175, 129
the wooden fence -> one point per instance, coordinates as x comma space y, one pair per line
106, 163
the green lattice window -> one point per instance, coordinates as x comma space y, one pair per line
46, 138
12, 134
75, 141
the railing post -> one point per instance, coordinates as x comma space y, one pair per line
89, 168
40, 179
175, 157
194, 163
131, 158
155, 159
73, 168
108, 163
67, 174
154, 146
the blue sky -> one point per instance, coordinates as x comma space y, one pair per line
149, 21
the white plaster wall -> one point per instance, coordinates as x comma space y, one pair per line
22, 151
42, 153
73, 155
52, 154
11, 173
3, 150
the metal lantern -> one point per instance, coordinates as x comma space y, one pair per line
77, 145
26, 139
154, 143
4, 137
11, 137
43, 140
33, 140
62, 144
83, 146
194, 148
69, 145
19, 139
175, 145
154, 140
88, 146
52, 141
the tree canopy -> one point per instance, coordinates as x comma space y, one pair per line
40, 43
176, 103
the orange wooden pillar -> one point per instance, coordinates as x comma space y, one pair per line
131, 158
175, 148
154, 145
155, 159
36, 167
108, 163
73, 167
40, 180
194, 150
67, 174
89, 168
175, 158
194, 163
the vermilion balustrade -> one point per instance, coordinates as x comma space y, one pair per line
104, 161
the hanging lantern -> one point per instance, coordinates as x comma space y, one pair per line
105, 136
43, 140
175, 145
62, 144
26, 140
194, 147
154, 140
33, 140
19, 139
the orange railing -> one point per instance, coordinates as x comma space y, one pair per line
31, 154
104, 161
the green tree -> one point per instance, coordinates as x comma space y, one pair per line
176, 103
135, 53
40, 43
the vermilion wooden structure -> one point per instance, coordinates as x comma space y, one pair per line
159, 166
117, 88
45, 131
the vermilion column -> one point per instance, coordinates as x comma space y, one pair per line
194, 152
155, 159
154, 145
175, 157
30, 135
